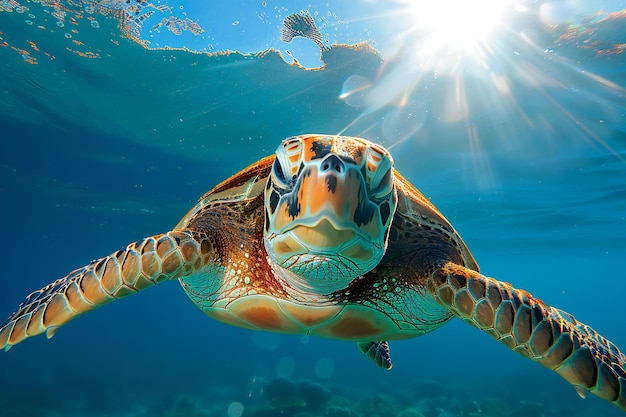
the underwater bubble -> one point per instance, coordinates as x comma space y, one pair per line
95, 24
235, 409
60, 24
68, 35
554, 13
255, 387
354, 89
324, 368
32, 16
266, 340
29, 22
285, 367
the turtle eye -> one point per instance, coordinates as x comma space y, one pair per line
278, 176
378, 171
384, 186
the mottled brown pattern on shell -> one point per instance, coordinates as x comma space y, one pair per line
237, 238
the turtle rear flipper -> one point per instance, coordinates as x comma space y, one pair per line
528, 326
378, 352
138, 266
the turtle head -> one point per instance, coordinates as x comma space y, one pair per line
329, 202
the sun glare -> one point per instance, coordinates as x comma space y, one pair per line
453, 40
481, 67
459, 26
443, 37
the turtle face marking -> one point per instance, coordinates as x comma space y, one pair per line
329, 202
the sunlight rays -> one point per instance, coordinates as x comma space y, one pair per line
493, 67
432, 40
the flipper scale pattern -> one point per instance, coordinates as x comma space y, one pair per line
528, 326
138, 266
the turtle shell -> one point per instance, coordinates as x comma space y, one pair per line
245, 290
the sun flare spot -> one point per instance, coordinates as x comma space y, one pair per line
456, 25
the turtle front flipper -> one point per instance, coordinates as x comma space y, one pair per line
138, 266
528, 326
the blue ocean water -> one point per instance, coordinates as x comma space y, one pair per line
518, 136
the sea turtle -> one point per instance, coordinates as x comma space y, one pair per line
326, 239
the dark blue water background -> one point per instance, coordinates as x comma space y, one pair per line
96, 153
